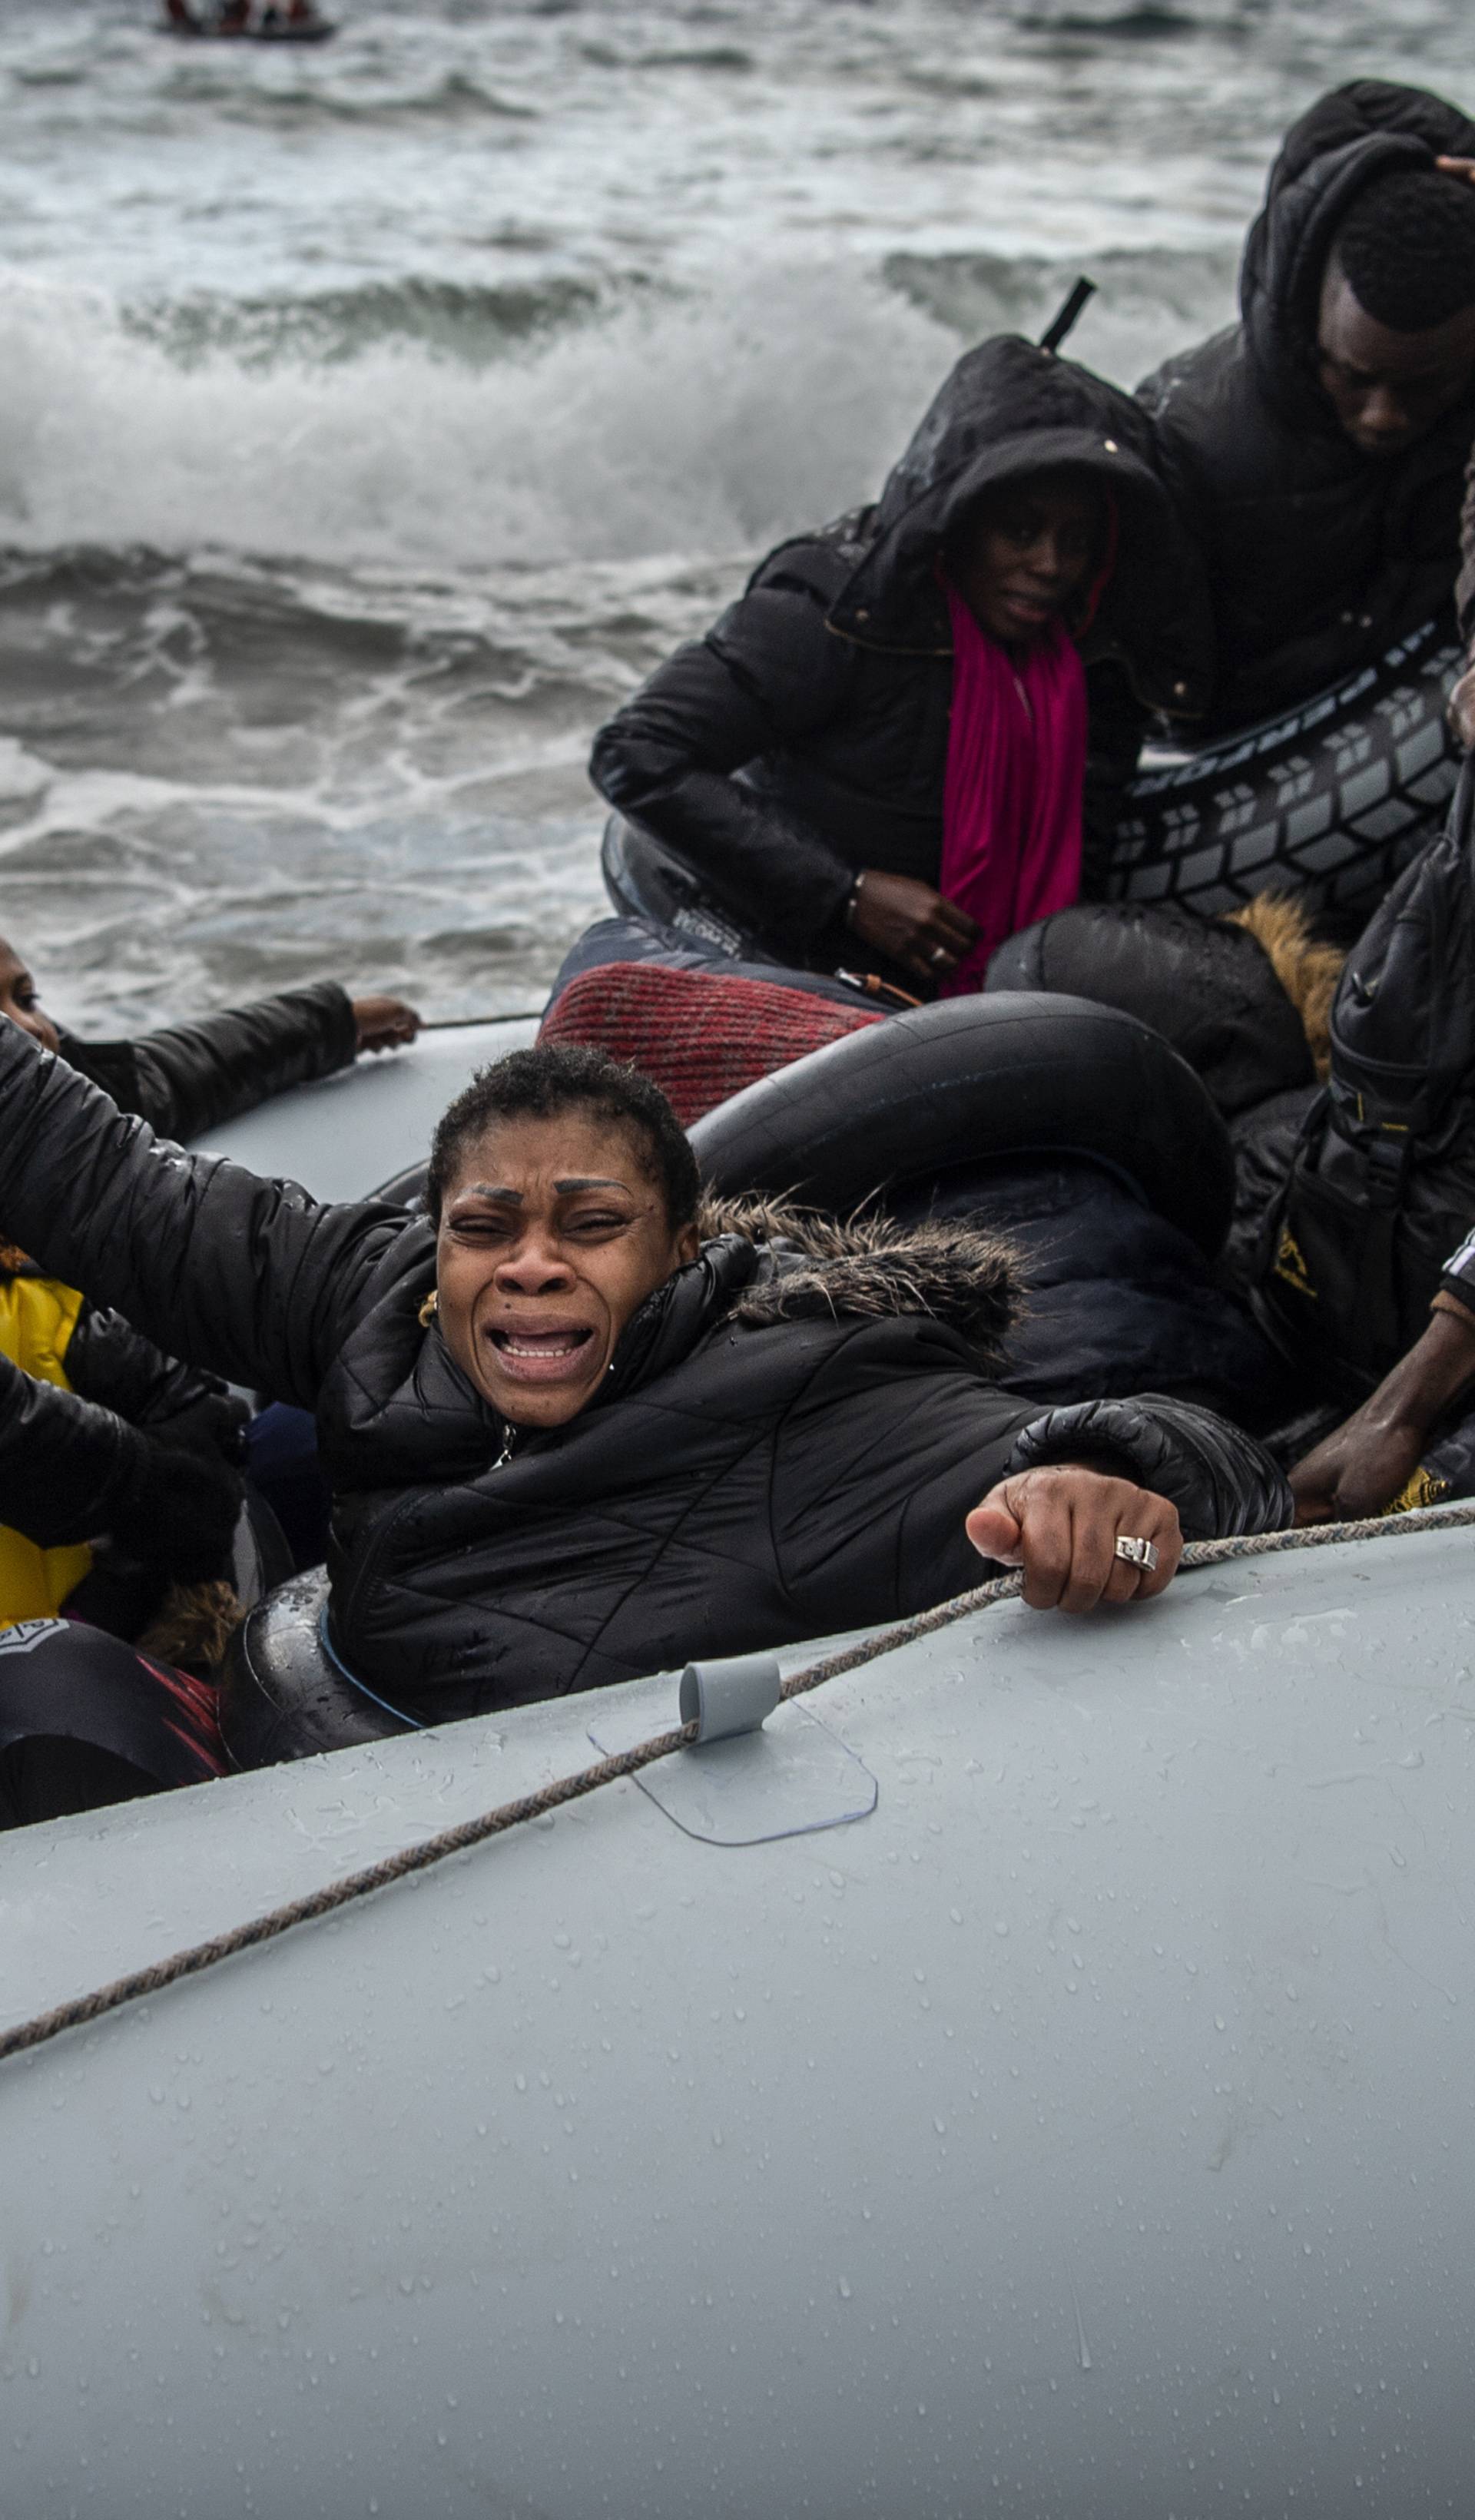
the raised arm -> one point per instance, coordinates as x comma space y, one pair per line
769, 673
1367, 1461
249, 1278
194, 1076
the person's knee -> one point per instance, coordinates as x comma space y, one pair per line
49, 1775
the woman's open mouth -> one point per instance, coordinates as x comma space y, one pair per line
544, 1355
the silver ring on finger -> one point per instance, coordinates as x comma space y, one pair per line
1137, 1552
939, 956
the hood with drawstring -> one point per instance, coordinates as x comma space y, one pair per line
1319, 557
806, 736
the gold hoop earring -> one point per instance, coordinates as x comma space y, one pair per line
429, 1308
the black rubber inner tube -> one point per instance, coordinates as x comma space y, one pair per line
973, 1077
1332, 798
646, 880
282, 1693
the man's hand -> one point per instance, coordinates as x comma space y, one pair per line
1461, 711
912, 924
1463, 168
1062, 1526
1370, 1459
1358, 1470
384, 1023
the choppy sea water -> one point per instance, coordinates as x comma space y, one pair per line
373, 416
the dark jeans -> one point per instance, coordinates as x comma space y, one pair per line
282, 1462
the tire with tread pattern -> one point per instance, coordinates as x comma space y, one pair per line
1330, 799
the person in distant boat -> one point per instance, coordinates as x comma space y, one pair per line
877, 758
101, 1435
280, 17
575, 1431
244, 17
1316, 448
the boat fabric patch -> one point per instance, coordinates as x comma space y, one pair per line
697, 1035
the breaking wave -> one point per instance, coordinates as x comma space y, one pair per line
684, 428
433, 426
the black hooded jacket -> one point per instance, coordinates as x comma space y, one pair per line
67, 1454
787, 1442
195, 1076
1319, 557
806, 736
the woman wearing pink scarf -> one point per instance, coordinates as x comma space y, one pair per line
875, 760
1028, 567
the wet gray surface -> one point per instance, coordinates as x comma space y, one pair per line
1083, 2132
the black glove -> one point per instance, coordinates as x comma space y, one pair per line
1221, 1480
177, 1510
213, 1426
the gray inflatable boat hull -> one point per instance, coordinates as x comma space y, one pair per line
1085, 2131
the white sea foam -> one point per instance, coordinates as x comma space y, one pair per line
689, 426
374, 419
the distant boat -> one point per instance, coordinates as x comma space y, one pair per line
251, 24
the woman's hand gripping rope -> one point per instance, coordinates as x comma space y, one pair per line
1061, 1526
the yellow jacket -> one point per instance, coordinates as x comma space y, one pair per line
37, 1318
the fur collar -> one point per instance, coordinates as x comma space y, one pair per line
868, 1268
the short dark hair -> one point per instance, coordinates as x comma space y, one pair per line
542, 1083
1407, 250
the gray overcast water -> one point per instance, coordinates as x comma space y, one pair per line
374, 415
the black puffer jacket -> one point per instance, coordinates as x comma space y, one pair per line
195, 1076
68, 1457
1204, 985
1318, 557
806, 736
786, 1444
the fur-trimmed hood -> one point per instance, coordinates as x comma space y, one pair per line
761, 1264
867, 1268
764, 1263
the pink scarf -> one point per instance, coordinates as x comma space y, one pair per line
1012, 798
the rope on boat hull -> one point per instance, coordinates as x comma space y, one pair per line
78, 2011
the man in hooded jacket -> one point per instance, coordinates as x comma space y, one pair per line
1316, 448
